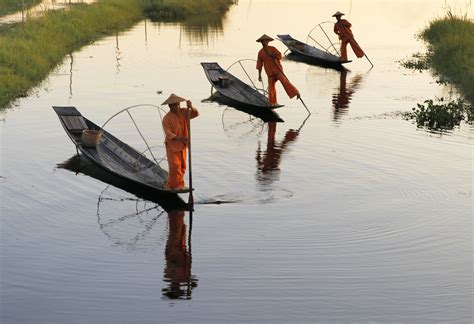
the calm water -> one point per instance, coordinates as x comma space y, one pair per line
350, 215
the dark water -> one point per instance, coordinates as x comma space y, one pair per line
350, 215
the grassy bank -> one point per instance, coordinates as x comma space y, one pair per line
450, 55
451, 51
29, 51
11, 6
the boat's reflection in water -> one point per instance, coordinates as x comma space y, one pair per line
140, 222
343, 96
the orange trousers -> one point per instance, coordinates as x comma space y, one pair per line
355, 47
290, 89
177, 168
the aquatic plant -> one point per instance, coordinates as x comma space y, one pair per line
441, 115
417, 61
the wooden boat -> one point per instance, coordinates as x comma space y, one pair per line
112, 154
309, 54
233, 91
83, 165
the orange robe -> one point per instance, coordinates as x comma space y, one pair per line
176, 125
269, 58
343, 29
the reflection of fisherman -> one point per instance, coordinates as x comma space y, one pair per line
343, 29
269, 58
175, 126
270, 160
178, 260
343, 97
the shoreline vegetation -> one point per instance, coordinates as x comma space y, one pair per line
450, 56
29, 51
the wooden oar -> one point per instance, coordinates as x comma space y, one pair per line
191, 198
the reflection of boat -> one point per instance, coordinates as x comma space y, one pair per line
81, 164
309, 54
234, 91
112, 154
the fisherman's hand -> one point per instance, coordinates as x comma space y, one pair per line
181, 139
189, 104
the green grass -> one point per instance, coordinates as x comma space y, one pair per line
30, 51
450, 43
11, 6
450, 55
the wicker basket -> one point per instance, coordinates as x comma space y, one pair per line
90, 138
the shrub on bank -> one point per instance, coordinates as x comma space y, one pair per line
451, 51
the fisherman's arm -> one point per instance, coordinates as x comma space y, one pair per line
194, 111
259, 66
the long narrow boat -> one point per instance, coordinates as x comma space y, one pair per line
83, 165
309, 54
234, 91
113, 155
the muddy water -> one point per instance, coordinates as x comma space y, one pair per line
350, 215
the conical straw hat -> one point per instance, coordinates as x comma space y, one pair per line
264, 37
338, 14
172, 99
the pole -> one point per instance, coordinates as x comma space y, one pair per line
368, 59
309, 112
191, 198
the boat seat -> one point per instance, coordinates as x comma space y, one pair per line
215, 77
74, 124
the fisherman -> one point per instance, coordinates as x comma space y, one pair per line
175, 126
343, 29
269, 58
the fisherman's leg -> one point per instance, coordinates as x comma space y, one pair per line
356, 48
183, 167
174, 164
290, 89
344, 49
272, 97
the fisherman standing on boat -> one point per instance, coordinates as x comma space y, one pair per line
343, 29
269, 58
176, 128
